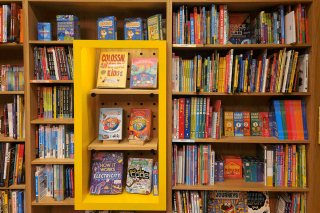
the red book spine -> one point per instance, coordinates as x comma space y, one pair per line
20, 163
293, 121
181, 117
307, 30
226, 80
265, 124
189, 31
174, 28
221, 24
207, 118
72, 189
1, 24
195, 25
293, 202
300, 25
288, 119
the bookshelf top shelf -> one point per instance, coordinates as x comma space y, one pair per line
124, 91
39, 161
243, 94
237, 46
51, 81
50, 42
49, 201
123, 145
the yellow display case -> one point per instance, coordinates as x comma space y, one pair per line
88, 100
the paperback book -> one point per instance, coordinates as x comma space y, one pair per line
110, 124
133, 29
143, 73
140, 124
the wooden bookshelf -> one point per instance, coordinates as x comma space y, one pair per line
11, 92
123, 145
51, 42
13, 187
51, 81
243, 94
53, 121
124, 91
39, 161
49, 201
10, 139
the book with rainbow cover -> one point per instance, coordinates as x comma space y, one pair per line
140, 124
143, 73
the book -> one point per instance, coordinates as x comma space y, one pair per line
112, 72
110, 123
246, 123
238, 124
144, 73
68, 27
106, 173
154, 27
44, 31
133, 29
140, 124
228, 126
107, 28
155, 179
258, 202
239, 28
139, 176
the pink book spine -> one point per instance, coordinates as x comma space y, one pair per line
221, 24
210, 121
293, 121
226, 80
288, 119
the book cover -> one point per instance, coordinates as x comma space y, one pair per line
265, 124
106, 173
228, 124
246, 123
68, 27
144, 73
140, 124
254, 124
112, 71
139, 175
110, 124
44, 31
232, 166
107, 28
258, 202
225, 201
238, 124
133, 29
181, 117
154, 27
239, 28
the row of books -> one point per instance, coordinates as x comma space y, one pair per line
54, 141
56, 181
286, 165
11, 23
215, 25
280, 72
291, 202
106, 211
12, 123
152, 28
53, 63
195, 118
12, 164
56, 102
13, 201
12, 78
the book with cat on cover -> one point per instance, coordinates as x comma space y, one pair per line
110, 124
112, 71
106, 173
143, 73
140, 124
133, 29
139, 175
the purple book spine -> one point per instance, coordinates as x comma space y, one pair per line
260, 171
216, 169
221, 171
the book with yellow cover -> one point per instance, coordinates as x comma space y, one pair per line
112, 71
228, 124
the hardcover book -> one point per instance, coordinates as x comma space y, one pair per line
254, 124
143, 73
140, 124
139, 175
239, 28
265, 124
228, 126
106, 173
110, 124
112, 71
258, 202
238, 124
68, 27
246, 123
154, 27
107, 28
224, 201
133, 29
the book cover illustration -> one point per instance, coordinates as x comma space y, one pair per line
246, 123
112, 71
143, 73
227, 202
106, 174
255, 128
133, 29
238, 124
239, 28
139, 175
228, 128
154, 27
258, 202
107, 28
110, 124
68, 27
140, 124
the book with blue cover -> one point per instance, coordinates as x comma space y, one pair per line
110, 124
106, 173
279, 130
304, 119
187, 122
107, 28
238, 124
155, 179
145, 29
133, 29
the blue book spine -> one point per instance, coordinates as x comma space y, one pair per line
176, 30
217, 27
20, 202
274, 27
192, 167
181, 25
212, 23
262, 72
204, 25
197, 117
282, 24
188, 164
253, 73
277, 164
277, 112
203, 126
70, 188
192, 30
67, 185
155, 180
196, 163
187, 119
221, 171
254, 177
238, 124
45, 141
37, 189
304, 119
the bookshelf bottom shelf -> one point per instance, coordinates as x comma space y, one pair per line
49, 201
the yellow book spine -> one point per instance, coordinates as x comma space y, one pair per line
286, 167
235, 79
278, 72
294, 174
217, 76
224, 73
304, 167
50, 99
228, 124
54, 102
245, 77
295, 60
283, 63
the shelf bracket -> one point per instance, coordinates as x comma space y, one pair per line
151, 95
93, 151
152, 151
93, 95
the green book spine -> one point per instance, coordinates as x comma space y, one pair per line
254, 119
63, 175
200, 118
283, 118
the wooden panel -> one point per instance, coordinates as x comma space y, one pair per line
53, 121
123, 145
51, 202
39, 161
125, 91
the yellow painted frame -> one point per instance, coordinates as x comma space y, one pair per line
85, 69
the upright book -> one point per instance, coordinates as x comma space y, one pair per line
106, 173
112, 71
110, 124
107, 28
140, 124
133, 29
143, 73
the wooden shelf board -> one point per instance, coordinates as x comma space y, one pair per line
38, 161
11, 92
244, 94
53, 121
51, 81
21, 186
238, 46
123, 145
124, 91
239, 184
10, 139
50, 42
245, 139
10, 45
49, 201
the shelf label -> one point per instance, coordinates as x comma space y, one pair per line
184, 45
183, 140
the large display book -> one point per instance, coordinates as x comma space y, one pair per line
122, 128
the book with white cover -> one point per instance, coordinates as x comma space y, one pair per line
303, 72
290, 28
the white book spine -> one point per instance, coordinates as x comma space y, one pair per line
212, 160
55, 65
10, 119
265, 75
14, 201
286, 72
7, 159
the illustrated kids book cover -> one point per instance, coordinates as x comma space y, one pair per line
258, 202
239, 28
246, 123
110, 124
238, 124
254, 117
144, 73
112, 71
107, 28
106, 173
227, 202
265, 124
154, 27
140, 124
228, 126
139, 175
133, 29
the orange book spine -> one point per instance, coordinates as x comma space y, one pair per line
17, 166
298, 116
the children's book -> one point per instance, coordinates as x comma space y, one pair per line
112, 71
139, 175
154, 27
254, 123
107, 28
228, 126
246, 123
140, 124
224, 201
238, 124
239, 28
155, 179
133, 29
258, 202
143, 73
106, 173
265, 124
110, 124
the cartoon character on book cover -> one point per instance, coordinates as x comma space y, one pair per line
133, 29
154, 27
239, 28
143, 73
106, 173
140, 124
227, 202
238, 124
110, 124
258, 202
112, 71
107, 28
